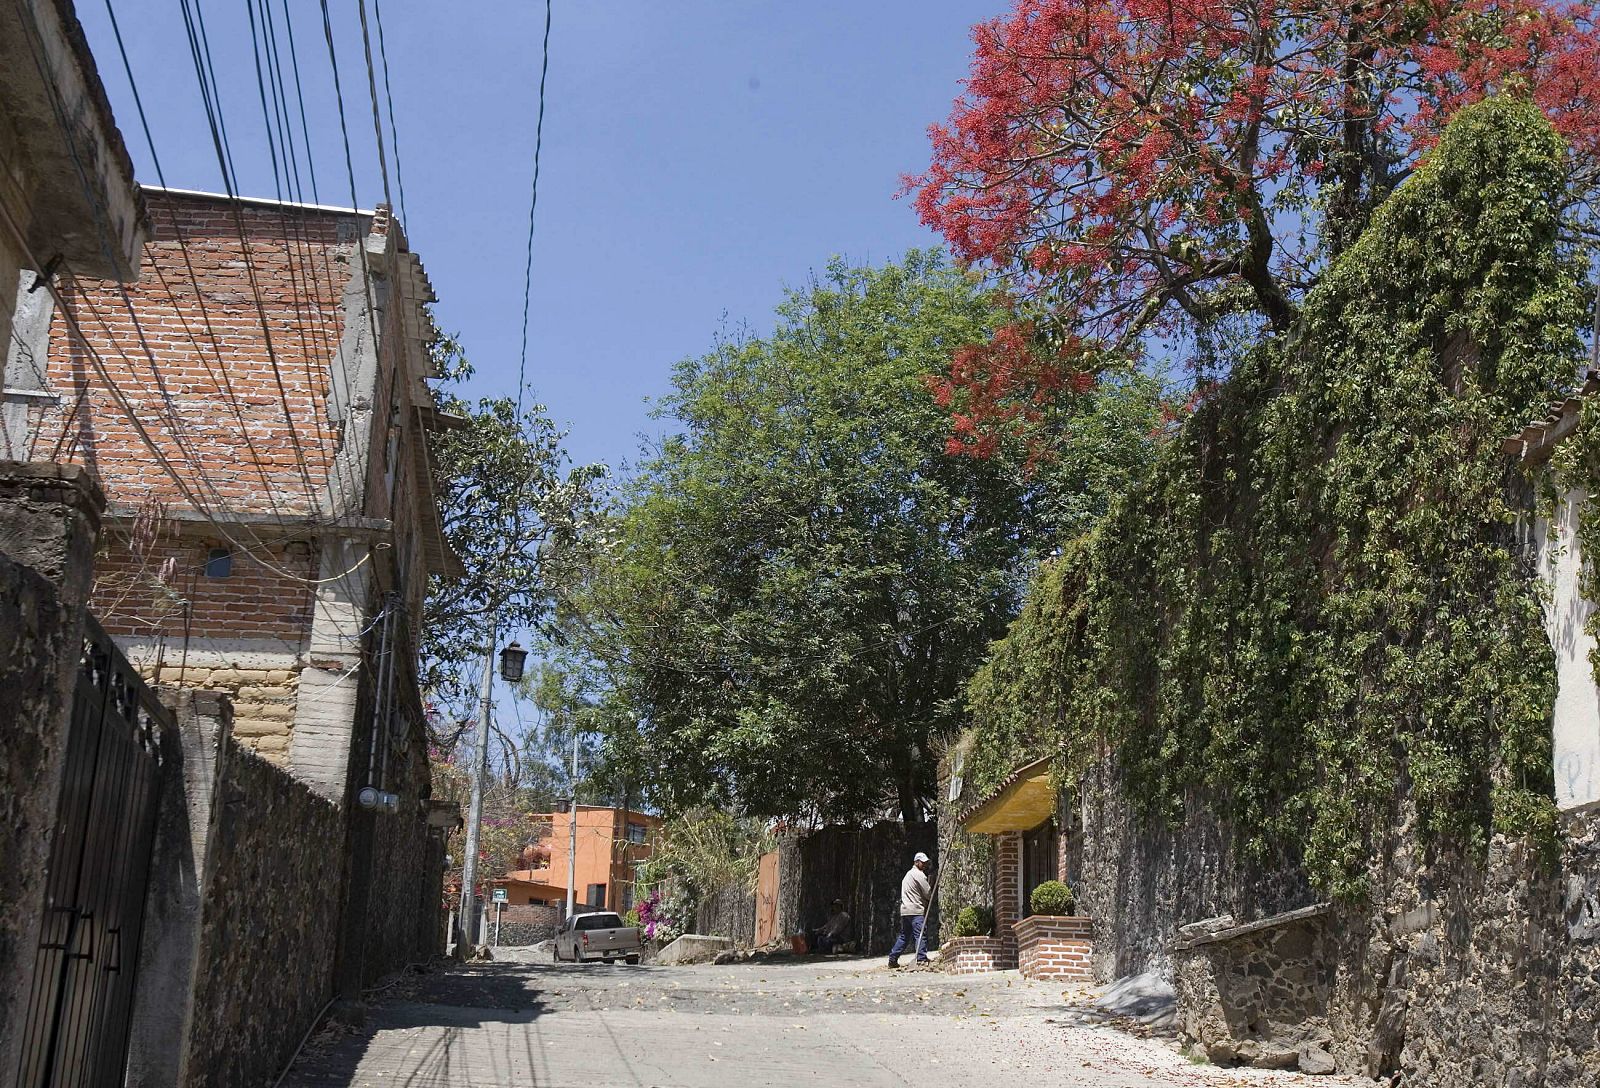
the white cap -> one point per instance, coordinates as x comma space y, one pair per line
920, 856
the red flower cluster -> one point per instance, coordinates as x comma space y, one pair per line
1121, 160
983, 382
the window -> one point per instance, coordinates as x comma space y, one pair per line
636, 832
597, 921
596, 896
219, 563
627, 898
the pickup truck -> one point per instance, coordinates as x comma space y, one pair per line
600, 936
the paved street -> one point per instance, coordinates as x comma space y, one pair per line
847, 1023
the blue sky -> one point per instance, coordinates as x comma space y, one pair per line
698, 155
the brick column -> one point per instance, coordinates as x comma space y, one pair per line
1008, 891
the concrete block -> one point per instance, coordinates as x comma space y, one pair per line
692, 948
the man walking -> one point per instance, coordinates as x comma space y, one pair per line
915, 895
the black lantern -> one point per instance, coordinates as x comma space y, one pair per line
511, 660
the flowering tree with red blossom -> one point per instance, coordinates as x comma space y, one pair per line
1133, 167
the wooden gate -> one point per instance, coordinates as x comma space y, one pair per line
76, 1029
767, 899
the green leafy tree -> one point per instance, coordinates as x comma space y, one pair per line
805, 574
514, 510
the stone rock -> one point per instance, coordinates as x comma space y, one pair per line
693, 948
1313, 1059
1206, 927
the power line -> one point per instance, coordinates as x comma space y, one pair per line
105, 233
388, 93
299, 93
533, 207
372, 91
200, 54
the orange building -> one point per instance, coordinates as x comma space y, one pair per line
612, 844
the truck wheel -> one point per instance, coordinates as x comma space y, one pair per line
633, 961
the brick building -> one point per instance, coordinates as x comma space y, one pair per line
274, 359
272, 521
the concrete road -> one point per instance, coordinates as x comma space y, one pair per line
838, 1022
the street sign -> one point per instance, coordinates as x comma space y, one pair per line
499, 895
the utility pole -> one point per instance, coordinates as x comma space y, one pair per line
572, 836
480, 758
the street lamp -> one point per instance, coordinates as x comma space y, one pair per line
511, 661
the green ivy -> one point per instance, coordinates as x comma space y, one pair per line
1315, 602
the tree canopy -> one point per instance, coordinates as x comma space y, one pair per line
803, 576
515, 509
1134, 168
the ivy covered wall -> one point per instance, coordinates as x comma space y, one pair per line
1315, 601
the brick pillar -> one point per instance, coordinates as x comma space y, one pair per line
1007, 892
49, 525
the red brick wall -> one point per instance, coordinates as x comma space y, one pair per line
216, 375
139, 592
1007, 881
977, 955
1054, 947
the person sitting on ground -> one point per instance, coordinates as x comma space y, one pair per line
832, 932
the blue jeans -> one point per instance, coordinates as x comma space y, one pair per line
910, 934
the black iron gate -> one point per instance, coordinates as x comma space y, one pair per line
76, 1032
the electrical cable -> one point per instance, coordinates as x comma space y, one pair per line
372, 91
299, 92
388, 93
107, 247
533, 207
200, 54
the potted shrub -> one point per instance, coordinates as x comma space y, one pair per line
1053, 898
973, 922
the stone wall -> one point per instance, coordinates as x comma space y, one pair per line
270, 929
1141, 879
39, 639
526, 924
1259, 993
404, 917
49, 518
1461, 969
966, 866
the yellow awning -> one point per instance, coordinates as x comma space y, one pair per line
1021, 803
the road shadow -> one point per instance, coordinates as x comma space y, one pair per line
450, 1001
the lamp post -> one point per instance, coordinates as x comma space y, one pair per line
512, 659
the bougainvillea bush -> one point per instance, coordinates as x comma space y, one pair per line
1134, 169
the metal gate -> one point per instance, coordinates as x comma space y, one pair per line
76, 1031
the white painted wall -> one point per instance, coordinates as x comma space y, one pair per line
1577, 711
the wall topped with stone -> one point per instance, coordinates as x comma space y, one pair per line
271, 924
526, 924
1258, 993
